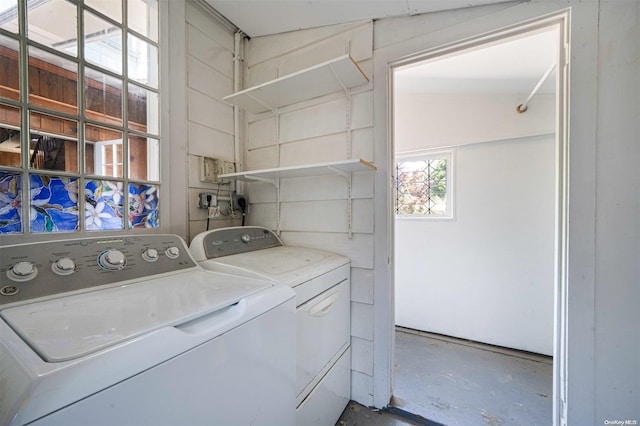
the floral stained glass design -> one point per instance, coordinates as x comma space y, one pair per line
10, 194
104, 205
143, 206
53, 205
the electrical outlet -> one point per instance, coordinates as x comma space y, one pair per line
202, 200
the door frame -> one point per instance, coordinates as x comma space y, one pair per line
385, 316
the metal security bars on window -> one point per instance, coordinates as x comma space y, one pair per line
421, 187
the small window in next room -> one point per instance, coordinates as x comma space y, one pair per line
424, 185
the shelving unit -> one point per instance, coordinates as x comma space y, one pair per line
343, 168
341, 73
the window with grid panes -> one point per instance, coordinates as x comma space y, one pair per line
423, 186
79, 115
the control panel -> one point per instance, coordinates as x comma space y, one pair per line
35, 270
228, 241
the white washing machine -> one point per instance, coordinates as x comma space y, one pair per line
130, 330
321, 281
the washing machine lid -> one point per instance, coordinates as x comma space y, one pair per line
285, 264
72, 327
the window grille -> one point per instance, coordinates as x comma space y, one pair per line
79, 115
422, 187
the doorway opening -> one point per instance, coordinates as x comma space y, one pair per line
478, 168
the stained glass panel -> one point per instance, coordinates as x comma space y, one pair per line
143, 206
10, 203
104, 205
53, 205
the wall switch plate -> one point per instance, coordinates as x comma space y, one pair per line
210, 168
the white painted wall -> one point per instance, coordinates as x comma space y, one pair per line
201, 51
313, 211
487, 275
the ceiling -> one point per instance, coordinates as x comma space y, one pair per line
264, 17
514, 66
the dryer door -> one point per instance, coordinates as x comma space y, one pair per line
323, 332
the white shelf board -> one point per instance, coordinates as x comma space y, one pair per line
318, 169
337, 74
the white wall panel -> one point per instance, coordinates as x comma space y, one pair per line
207, 80
314, 216
262, 215
205, 141
318, 120
260, 192
261, 133
362, 388
209, 112
362, 320
197, 17
362, 216
329, 187
209, 52
359, 249
262, 49
362, 285
362, 355
362, 144
261, 158
316, 150
362, 110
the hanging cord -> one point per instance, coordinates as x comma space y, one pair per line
208, 209
242, 203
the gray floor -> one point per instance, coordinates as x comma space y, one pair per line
441, 380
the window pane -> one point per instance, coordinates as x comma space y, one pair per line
144, 158
53, 204
143, 17
9, 15
102, 43
53, 23
104, 205
103, 97
9, 136
421, 188
110, 8
10, 203
53, 82
9, 68
53, 144
103, 151
142, 60
143, 206
143, 110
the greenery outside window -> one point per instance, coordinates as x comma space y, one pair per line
423, 185
79, 116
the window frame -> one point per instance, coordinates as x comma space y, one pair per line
160, 180
449, 155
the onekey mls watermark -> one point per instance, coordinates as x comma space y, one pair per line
621, 422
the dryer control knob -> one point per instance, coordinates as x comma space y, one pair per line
63, 266
245, 238
150, 255
22, 271
112, 260
172, 252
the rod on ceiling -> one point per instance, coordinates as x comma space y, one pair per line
525, 106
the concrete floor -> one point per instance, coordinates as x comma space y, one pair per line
446, 381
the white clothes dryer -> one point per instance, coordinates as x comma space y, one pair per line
130, 330
321, 281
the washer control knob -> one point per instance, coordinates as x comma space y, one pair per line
22, 271
112, 260
63, 266
150, 255
172, 252
245, 238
